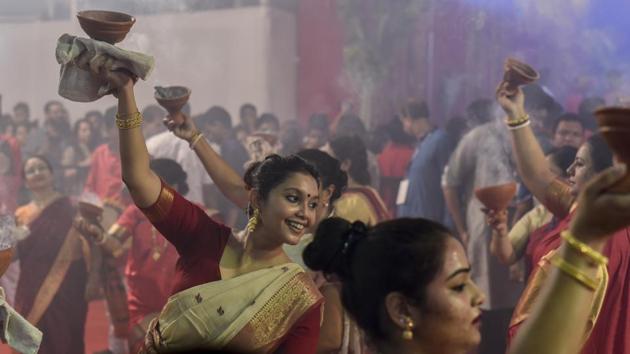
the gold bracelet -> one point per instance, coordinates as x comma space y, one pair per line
583, 248
518, 121
128, 121
195, 140
572, 271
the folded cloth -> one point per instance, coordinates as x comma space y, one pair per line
16, 331
75, 55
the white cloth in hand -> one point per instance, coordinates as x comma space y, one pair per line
75, 54
16, 331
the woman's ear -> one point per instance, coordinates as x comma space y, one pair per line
398, 310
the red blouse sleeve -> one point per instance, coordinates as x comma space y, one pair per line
183, 224
303, 337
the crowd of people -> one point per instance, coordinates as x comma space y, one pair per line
265, 235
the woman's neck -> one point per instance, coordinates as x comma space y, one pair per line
259, 249
43, 197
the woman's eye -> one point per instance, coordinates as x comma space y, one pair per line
459, 288
292, 198
313, 205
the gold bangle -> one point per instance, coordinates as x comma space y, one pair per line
583, 248
575, 273
129, 121
518, 121
195, 140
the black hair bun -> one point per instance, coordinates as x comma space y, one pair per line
332, 246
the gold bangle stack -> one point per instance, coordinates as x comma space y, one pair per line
195, 139
574, 272
128, 121
584, 249
520, 122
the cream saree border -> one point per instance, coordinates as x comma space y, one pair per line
247, 314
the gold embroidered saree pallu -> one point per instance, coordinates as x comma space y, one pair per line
245, 314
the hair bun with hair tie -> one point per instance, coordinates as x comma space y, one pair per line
356, 233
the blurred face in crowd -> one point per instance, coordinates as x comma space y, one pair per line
314, 139
215, 131
21, 132
568, 133
20, 115
56, 112
581, 170
37, 174
414, 127
84, 133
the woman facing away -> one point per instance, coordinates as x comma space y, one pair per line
607, 330
418, 298
510, 245
231, 294
359, 201
51, 289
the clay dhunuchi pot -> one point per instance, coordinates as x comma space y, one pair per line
90, 212
106, 26
497, 197
172, 98
517, 74
614, 126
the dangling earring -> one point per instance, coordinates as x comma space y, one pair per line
407, 334
253, 221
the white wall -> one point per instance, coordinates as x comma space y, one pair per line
226, 57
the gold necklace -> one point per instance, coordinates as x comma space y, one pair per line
157, 250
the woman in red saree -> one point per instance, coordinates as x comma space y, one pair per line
608, 322
51, 289
231, 293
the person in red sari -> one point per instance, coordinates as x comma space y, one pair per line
608, 321
10, 184
51, 289
150, 268
232, 293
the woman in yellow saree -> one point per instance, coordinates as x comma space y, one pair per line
232, 293
359, 202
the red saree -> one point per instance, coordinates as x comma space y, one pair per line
610, 335
63, 320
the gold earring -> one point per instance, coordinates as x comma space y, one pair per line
407, 334
253, 221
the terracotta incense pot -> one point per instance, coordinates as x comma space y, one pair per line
497, 197
517, 74
172, 98
91, 212
106, 26
614, 126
